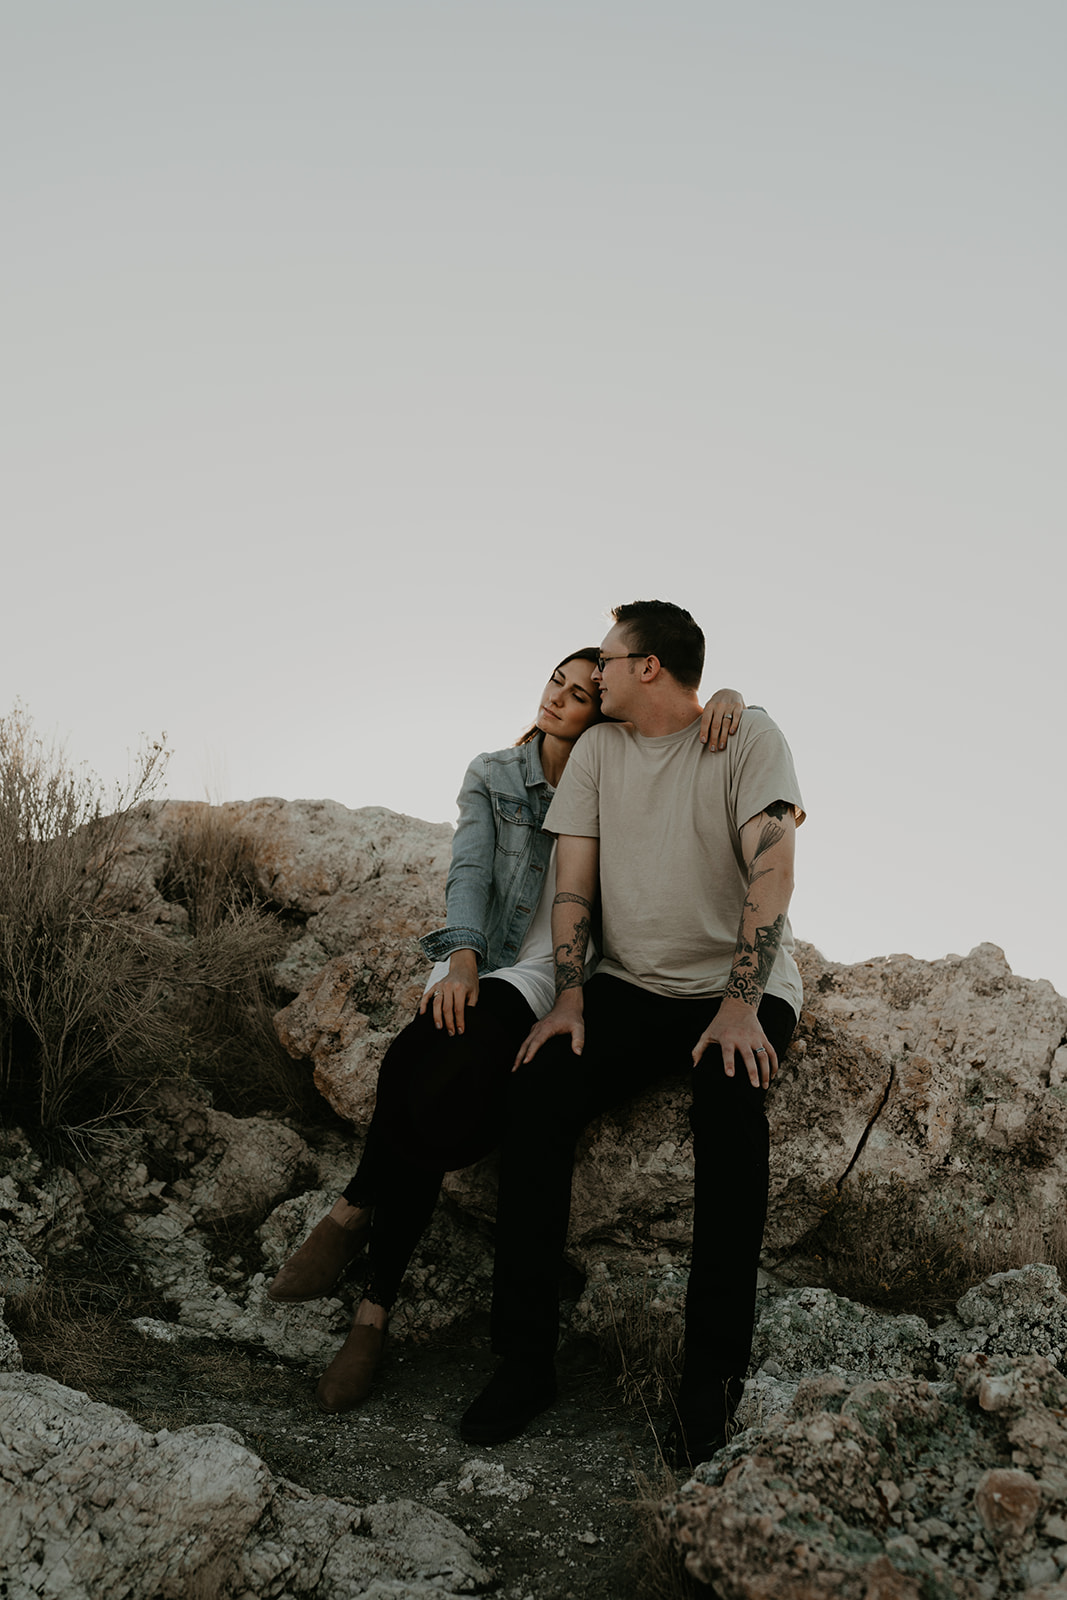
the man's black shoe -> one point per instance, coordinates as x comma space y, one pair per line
514, 1395
686, 1447
704, 1412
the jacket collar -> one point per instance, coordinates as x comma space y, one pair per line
531, 753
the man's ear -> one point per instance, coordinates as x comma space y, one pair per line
651, 669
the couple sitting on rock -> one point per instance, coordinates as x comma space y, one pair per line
683, 857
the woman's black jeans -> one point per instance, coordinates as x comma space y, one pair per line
397, 1180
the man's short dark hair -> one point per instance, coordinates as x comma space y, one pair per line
657, 628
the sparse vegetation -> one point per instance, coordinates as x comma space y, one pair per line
81, 984
643, 1344
225, 1035
211, 870
656, 1567
890, 1245
97, 1002
75, 1327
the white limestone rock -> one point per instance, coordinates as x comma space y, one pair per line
254, 1162
43, 1205
944, 1072
19, 1271
810, 1330
10, 1354
1022, 1312
95, 1505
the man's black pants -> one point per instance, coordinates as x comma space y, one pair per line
633, 1039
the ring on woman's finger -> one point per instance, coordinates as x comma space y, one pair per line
759, 1050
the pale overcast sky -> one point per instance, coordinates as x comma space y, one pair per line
358, 357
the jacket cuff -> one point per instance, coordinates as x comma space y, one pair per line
440, 944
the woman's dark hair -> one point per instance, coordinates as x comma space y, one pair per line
587, 653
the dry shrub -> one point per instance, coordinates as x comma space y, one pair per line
81, 985
96, 1005
227, 1039
889, 1244
211, 869
222, 1016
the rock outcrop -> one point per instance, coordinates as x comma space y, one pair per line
946, 1078
882, 1456
898, 1488
901, 1069
93, 1505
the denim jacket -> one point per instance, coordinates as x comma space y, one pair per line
499, 858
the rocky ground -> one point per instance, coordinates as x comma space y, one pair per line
556, 1514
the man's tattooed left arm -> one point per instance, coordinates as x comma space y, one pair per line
767, 847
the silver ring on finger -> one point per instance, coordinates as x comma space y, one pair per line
759, 1050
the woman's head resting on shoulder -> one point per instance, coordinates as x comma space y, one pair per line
570, 700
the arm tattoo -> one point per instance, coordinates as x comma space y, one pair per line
771, 833
572, 900
754, 957
753, 962
569, 956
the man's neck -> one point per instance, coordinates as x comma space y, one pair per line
670, 715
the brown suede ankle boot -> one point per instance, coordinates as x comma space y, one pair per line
346, 1383
315, 1268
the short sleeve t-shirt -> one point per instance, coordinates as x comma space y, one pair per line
668, 814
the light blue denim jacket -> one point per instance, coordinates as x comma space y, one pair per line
499, 858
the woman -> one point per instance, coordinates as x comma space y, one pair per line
442, 1080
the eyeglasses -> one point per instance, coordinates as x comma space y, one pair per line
632, 655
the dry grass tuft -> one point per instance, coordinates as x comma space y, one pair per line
77, 1329
656, 1567
891, 1245
643, 1343
212, 869
225, 1023
76, 1332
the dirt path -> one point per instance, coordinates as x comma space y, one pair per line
553, 1511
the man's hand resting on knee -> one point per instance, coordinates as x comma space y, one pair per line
736, 1029
566, 1017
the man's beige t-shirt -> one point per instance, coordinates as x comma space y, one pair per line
668, 813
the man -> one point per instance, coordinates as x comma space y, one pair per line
694, 862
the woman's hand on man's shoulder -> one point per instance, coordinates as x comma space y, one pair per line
721, 718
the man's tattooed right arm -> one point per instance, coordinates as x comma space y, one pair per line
569, 951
